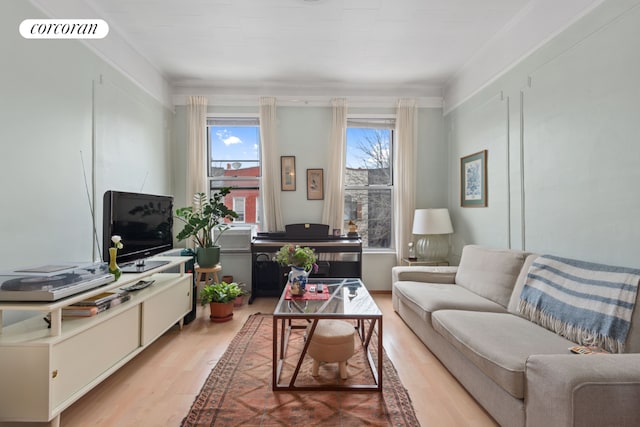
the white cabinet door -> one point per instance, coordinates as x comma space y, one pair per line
24, 389
83, 357
164, 309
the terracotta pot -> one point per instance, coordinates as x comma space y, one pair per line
238, 301
221, 311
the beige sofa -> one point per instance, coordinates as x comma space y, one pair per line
521, 373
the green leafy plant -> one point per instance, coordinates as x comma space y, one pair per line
220, 292
297, 256
205, 216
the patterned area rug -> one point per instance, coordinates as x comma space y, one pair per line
238, 389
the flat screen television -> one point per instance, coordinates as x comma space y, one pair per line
145, 223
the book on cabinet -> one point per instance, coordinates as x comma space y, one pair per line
89, 307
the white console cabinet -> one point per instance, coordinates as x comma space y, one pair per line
44, 370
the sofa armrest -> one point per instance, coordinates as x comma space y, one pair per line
424, 274
583, 390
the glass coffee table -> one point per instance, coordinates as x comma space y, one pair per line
343, 299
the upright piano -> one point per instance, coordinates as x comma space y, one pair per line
338, 256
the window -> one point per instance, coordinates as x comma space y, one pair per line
369, 180
234, 161
238, 207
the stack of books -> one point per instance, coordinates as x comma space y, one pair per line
96, 304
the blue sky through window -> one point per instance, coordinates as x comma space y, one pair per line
234, 143
231, 143
356, 157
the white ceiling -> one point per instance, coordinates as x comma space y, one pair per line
366, 42
376, 47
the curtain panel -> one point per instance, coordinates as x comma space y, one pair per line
270, 166
405, 174
333, 209
196, 147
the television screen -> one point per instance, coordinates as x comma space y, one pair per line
145, 223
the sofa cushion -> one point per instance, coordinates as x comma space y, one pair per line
490, 273
498, 343
514, 300
425, 298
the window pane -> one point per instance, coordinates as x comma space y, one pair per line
234, 161
229, 144
370, 209
234, 151
368, 156
238, 206
369, 180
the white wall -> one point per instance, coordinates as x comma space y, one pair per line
54, 95
561, 130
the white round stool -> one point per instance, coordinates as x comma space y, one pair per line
332, 341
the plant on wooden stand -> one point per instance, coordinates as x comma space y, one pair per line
220, 297
201, 219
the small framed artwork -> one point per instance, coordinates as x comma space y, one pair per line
315, 184
288, 173
473, 180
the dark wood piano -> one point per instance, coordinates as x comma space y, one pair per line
338, 256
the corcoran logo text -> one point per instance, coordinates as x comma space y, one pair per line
64, 29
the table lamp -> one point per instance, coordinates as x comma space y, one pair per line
432, 226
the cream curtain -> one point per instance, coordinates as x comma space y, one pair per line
333, 210
270, 166
405, 174
196, 147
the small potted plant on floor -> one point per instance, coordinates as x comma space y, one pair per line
220, 297
200, 221
243, 291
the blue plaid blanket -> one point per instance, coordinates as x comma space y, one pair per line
587, 303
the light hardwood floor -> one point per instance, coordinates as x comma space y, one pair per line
158, 386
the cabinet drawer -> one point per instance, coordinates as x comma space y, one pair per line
80, 359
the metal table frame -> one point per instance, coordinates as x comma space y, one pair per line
283, 326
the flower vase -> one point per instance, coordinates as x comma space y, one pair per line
298, 280
113, 267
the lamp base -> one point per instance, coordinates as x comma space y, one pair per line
432, 247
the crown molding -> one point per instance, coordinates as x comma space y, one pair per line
305, 101
529, 30
311, 96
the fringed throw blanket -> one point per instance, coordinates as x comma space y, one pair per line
587, 303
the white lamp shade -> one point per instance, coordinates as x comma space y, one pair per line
432, 221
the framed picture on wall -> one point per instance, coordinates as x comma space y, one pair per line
315, 184
473, 180
288, 173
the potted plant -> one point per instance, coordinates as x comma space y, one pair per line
220, 297
243, 291
302, 261
201, 219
